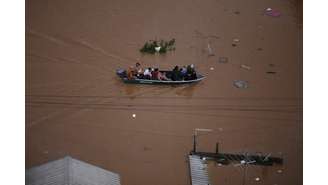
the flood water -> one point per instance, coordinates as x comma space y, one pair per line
77, 106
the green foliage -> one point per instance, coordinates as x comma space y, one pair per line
149, 47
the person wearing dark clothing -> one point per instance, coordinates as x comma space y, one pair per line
176, 74
191, 73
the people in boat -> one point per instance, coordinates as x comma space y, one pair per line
183, 72
131, 73
139, 71
176, 74
191, 73
157, 75
147, 73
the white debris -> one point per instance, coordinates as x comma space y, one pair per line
133, 115
211, 68
245, 67
236, 40
223, 60
240, 84
158, 48
257, 179
279, 171
210, 52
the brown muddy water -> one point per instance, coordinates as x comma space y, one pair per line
75, 104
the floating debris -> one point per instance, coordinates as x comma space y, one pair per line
257, 179
279, 171
259, 49
134, 115
235, 40
245, 67
237, 12
271, 72
210, 51
211, 68
223, 60
271, 65
240, 84
272, 13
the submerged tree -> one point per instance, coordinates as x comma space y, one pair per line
151, 45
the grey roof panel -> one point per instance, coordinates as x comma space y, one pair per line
69, 171
198, 171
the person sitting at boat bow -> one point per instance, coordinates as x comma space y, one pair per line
131, 73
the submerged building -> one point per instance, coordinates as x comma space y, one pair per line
70, 171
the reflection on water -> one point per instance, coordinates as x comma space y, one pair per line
186, 90
135, 90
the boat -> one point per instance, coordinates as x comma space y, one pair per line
123, 75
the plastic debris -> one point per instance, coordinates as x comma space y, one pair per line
134, 115
211, 68
158, 48
257, 179
245, 67
210, 51
240, 84
223, 60
279, 171
272, 13
236, 40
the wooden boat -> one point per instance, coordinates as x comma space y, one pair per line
122, 74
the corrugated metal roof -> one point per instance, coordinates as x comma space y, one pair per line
70, 171
198, 171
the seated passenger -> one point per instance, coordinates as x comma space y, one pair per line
154, 74
147, 73
162, 76
191, 73
139, 70
131, 73
157, 75
176, 74
183, 72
